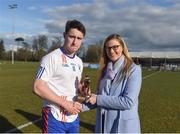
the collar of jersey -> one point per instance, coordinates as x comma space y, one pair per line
64, 52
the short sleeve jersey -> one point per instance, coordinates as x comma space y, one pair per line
62, 74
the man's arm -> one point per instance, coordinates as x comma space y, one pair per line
42, 90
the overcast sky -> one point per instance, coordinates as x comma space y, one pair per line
146, 25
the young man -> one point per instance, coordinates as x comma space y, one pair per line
57, 82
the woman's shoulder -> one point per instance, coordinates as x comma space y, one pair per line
134, 65
135, 68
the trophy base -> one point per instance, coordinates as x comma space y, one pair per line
82, 99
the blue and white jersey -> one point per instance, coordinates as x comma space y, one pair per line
62, 74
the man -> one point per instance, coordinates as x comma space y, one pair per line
57, 82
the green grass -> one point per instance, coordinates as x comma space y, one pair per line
159, 105
18, 104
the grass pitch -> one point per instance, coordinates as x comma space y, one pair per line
159, 105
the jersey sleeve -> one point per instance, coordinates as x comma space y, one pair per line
45, 70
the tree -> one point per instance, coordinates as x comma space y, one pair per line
35, 45
24, 53
19, 39
82, 52
42, 42
26, 46
93, 52
39, 47
2, 50
55, 44
8, 55
99, 45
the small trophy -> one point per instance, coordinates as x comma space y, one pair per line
84, 93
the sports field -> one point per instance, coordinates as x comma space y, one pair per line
20, 109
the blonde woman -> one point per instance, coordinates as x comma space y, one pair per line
118, 91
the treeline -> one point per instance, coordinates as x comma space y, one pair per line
39, 47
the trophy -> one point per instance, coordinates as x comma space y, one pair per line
84, 93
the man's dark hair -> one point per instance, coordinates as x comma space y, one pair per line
75, 24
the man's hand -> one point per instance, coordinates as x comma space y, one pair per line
71, 106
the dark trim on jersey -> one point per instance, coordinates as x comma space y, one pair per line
64, 52
40, 72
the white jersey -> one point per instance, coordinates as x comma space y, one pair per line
62, 74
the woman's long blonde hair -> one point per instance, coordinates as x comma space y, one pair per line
104, 58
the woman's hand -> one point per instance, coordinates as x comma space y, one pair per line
93, 99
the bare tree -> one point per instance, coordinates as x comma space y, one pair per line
24, 53
19, 40
39, 47
82, 52
93, 52
56, 43
42, 42
2, 50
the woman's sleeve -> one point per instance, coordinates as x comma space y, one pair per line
129, 96
88, 106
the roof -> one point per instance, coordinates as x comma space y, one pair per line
156, 54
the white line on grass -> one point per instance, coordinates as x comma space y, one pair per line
147, 76
22, 126
31, 122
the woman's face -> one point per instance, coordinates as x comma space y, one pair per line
113, 49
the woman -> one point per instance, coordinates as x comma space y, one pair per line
119, 87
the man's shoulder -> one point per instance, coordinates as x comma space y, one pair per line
54, 53
78, 59
51, 55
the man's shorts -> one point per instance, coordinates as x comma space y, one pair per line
51, 125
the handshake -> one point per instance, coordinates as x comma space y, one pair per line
84, 95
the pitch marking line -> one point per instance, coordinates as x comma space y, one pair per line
22, 126
32, 122
147, 76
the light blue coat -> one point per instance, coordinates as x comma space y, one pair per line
120, 106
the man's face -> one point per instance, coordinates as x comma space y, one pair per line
73, 40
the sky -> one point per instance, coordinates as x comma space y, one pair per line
145, 25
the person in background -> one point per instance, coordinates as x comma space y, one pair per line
118, 90
57, 81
